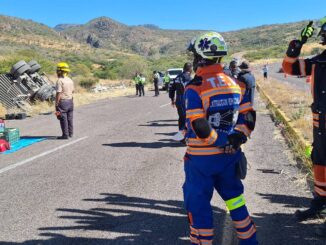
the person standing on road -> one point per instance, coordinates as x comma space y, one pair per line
219, 121
316, 68
166, 80
265, 72
136, 81
64, 100
141, 84
177, 86
156, 81
247, 78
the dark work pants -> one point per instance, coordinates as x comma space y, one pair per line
141, 89
66, 108
318, 157
137, 89
182, 117
156, 89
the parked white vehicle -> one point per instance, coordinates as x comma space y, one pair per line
174, 72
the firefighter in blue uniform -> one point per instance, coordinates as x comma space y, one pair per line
219, 118
316, 68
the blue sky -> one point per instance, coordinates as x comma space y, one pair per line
168, 14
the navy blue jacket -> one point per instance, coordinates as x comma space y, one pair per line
177, 86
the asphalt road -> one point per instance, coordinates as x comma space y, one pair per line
273, 72
118, 181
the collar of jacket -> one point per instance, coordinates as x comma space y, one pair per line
216, 68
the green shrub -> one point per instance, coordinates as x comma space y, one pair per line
88, 83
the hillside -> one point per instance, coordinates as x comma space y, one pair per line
150, 40
115, 47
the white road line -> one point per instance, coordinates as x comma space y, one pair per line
165, 105
2, 170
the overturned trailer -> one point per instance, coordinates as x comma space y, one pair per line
23, 85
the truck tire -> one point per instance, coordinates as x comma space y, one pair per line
19, 68
35, 67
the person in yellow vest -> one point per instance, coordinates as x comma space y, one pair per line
141, 84
136, 82
64, 100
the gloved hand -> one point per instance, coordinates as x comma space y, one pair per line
307, 32
235, 140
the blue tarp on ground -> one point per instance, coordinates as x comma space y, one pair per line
22, 143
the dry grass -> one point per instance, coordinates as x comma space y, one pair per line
295, 103
3, 111
82, 97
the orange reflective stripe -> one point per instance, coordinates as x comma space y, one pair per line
206, 232
316, 124
206, 242
243, 128
319, 183
315, 116
243, 223
247, 234
203, 142
223, 90
245, 107
302, 67
320, 191
204, 151
195, 113
290, 60
194, 240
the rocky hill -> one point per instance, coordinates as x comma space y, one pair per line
146, 40
149, 40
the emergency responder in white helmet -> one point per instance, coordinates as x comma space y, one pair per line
219, 118
316, 68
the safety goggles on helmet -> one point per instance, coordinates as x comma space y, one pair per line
209, 46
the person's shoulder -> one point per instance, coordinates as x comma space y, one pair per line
195, 84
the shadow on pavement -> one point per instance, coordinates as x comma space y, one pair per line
160, 123
133, 220
150, 145
283, 228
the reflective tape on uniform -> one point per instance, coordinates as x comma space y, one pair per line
195, 113
216, 91
243, 128
247, 234
320, 191
316, 124
245, 107
205, 151
242, 223
235, 203
203, 142
319, 183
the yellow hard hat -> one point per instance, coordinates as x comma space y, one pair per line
63, 66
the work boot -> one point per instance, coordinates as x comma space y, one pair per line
321, 230
63, 137
316, 207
